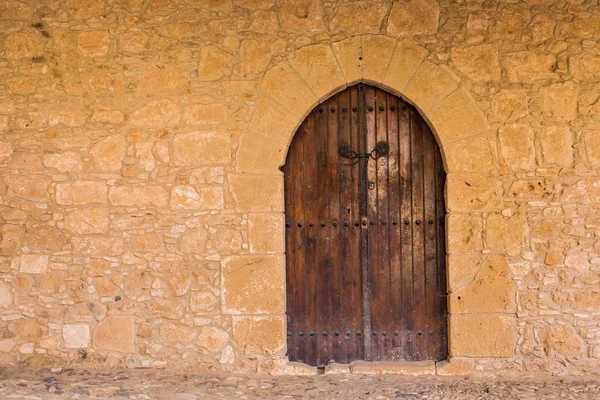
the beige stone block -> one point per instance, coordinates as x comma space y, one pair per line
474, 154
464, 233
335, 369
81, 192
430, 84
226, 240
87, 221
25, 161
301, 16
284, 85
213, 338
205, 114
503, 233
257, 193
473, 192
107, 81
107, 115
349, 53
406, 59
83, 9
68, 161
202, 302
198, 148
104, 246
260, 155
215, 63
585, 66
266, 233
411, 368
586, 300
115, 333
528, 66
585, 190
171, 332
457, 116
359, 17
260, 335
6, 296
138, 196
70, 116
557, 145
462, 268
517, 146
76, 336
161, 77
492, 290
180, 283
319, 68
455, 367
28, 187
586, 26
563, 340
93, 43
542, 27
377, 51
23, 44
413, 17
479, 63
108, 153
253, 285
271, 120
17, 10
33, 263
194, 242
591, 139
559, 101
202, 198
157, 113
491, 336
255, 55
147, 242
282, 367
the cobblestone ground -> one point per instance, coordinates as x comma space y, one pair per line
161, 384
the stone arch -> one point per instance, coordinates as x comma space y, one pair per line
290, 89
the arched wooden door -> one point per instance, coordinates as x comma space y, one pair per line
365, 237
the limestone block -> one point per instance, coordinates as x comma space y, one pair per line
349, 53
107, 81
82, 9
17, 10
257, 193
107, 115
81, 192
94, 43
108, 153
284, 85
585, 190
202, 198
482, 336
270, 120
28, 187
586, 26
260, 155
266, 233
559, 101
578, 262
319, 68
430, 84
363, 16
180, 283
70, 116
76, 336
462, 268
162, 78
23, 44
405, 61
252, 285
115, 333
176, 333
455, 367
147, 242
138, 196
198, 148
202, 302
474, 154
492, 290
213, 338
563, 340
591, 139
6, 149
104, 246
557, 145
472, 192
68, 161
527, 66
225, 240
541, 27
157, 113
194, 242
301, 15
260, 335
517, 146
25, 161
377, 51
479, 63
503, 233
205, 114
6, 296
414, 17
33, 263
215, 63
585, 66
411, 368
88, 220
464, 233
255, 55
457, 116
586, 300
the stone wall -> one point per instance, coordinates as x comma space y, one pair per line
141, 201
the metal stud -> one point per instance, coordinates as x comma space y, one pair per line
337, 333
300, 333
353, 109
383, 333
334, 223
332, 110
289, 334
372, 222
346, 223
300, 224
431, 333
430, 222
348, 334
393, 108
312, 334
356, 223
320, 110
418, 222
358, 334
344, 109
311, 224
383, 222
325, 334
381, 108
395, 222
323, 223
396, 333
420, 333
374, 333
370, 108
287, 225
364, 223
406, 222
404, 108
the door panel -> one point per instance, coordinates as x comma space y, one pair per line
402, 228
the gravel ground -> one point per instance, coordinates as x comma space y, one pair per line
20, 383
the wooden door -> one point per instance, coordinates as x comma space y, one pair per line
365, 244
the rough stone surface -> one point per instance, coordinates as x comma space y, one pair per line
115, 334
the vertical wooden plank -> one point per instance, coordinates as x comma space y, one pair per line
290, 254
442, 343
431, 326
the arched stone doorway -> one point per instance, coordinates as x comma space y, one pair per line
365, 234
